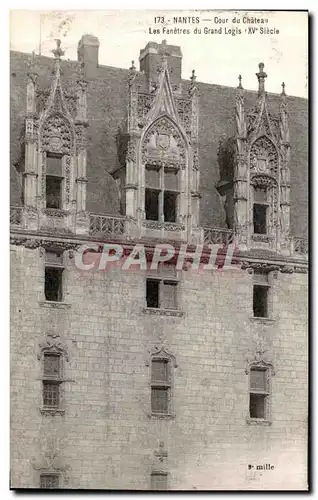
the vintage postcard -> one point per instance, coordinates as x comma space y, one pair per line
159, 254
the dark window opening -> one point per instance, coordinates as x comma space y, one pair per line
259, 218
51, 394
159, 481
53, 284
159, 399
170, 206
260, 308
152, 293
49, 481
152, 204
257, 405
53, 192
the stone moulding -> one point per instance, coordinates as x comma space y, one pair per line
54, 305
258, 421
161, 416
161, 353
162, 312
55, 347
52, 412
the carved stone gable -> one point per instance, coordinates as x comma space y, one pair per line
263, 157
163, 143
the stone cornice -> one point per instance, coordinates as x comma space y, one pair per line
284, 264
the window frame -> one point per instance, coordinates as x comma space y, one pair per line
162, 384
268, 368
50, 474
160, 354
162, 281
156, 473
61, 177
52, 380
60, 267
161, 189
266, 205
265, 283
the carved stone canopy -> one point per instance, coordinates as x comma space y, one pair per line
161, 353
53, 347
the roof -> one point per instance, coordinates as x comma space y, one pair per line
107, 100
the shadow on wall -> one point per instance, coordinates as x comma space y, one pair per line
102, 190
16, 197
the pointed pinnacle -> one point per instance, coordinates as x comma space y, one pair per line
240, 82
261, 75
58, 52
193, 76
283, 89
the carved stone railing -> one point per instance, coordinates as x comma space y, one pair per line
218, 236
106, 225
16, 216
300, 246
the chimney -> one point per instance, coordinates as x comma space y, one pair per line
151, 56
87, 50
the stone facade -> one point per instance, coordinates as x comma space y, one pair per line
103, 434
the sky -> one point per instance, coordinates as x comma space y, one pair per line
216, 58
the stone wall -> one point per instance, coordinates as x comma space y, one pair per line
106, 438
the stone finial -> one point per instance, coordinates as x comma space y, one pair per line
193, 76
163, 49
32, 72
240, 82
283, 93
133, 67
261, 75
58, 52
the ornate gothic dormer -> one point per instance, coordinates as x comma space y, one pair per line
162, 166
55, 166
259, 157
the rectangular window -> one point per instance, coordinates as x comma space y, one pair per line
258, 393
159, 399
49, 481
159, 481
152, 293
51, 394
170, 206
161, 293
160, 386
53, 192
53, 284
168, 294
259, 218
161, 194
152, 178
257, 406
260, 307
152, 204
51, 367
53, 276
